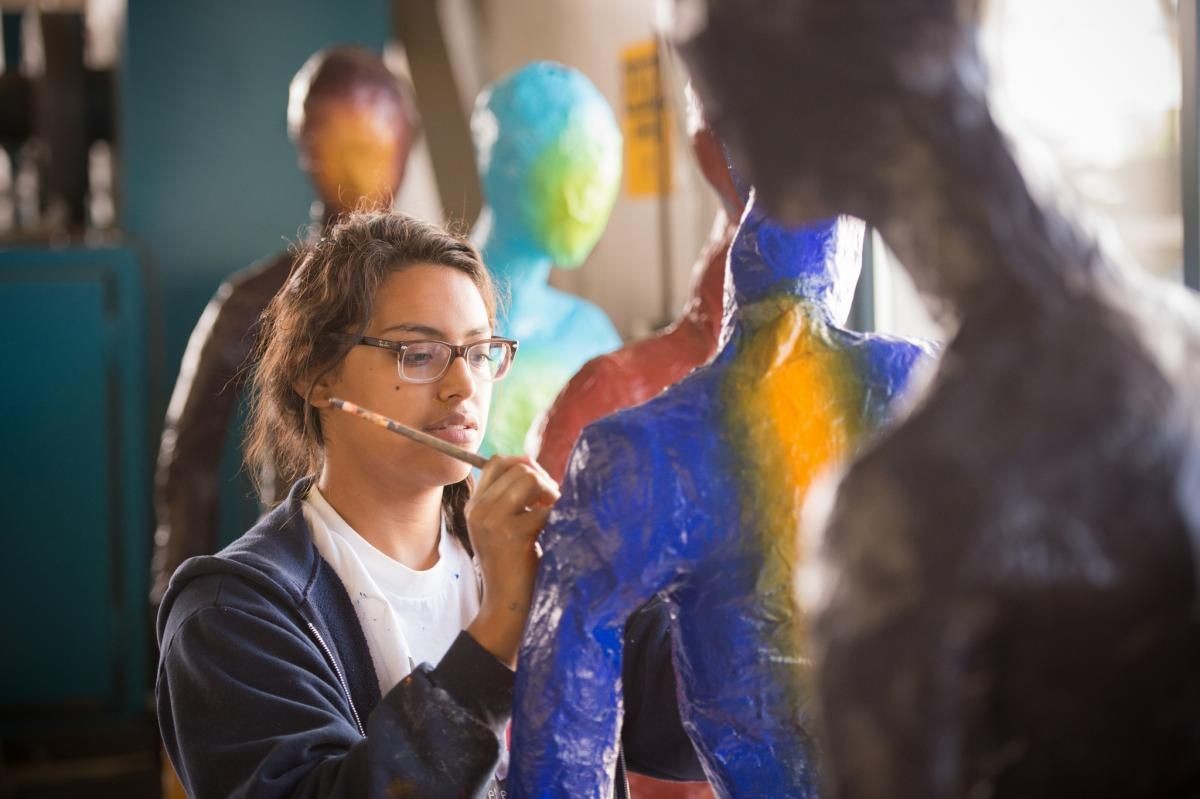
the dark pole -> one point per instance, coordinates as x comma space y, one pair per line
1190, 142
417, 26
667, 309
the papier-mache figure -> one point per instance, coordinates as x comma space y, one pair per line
641, 369
549, 155
353, 122
1008, 599
695, 496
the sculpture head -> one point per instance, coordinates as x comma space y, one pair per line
809, 93
549, 154
354, 123
819, 262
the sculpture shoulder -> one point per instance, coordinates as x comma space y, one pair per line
252, 288
614, 365
602, 384
673, 430
572, 314
223, 334
1041, 408
1169, 321
265, 273
611, 474
659, 429
671, 354
888, 361
693, 400
564, 323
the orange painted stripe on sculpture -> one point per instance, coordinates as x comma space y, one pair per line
795, 399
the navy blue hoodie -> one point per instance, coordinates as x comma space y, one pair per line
266, 686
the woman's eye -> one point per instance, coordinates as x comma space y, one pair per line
417, 358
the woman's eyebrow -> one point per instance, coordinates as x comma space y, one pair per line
425, 330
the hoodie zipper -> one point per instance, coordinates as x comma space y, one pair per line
622, 776
341, 680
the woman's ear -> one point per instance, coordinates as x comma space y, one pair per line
314, 394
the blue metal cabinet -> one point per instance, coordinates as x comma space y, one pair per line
75, 482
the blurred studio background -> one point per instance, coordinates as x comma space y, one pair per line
144, 158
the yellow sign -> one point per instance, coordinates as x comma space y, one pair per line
645, 122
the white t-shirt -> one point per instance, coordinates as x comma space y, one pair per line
408, 616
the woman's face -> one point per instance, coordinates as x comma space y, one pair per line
422, 301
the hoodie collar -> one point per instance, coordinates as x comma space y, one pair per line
277, 553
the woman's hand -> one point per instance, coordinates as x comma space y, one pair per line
506, 512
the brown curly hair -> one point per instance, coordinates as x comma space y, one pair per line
332, 289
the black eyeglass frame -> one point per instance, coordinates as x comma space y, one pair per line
456, 351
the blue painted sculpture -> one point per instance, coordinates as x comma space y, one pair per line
696, 496
549, 153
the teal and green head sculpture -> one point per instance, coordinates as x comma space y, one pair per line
549, 155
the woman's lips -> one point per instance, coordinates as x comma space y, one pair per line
455, 434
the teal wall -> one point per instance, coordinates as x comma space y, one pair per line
210, 181
209, 178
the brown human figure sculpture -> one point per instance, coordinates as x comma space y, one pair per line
641, 369
1008, 593
353, 122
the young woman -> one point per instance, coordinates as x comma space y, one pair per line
360, 640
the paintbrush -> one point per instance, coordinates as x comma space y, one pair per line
443, 447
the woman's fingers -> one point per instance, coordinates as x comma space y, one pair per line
500, 465
532, 489
530, 523
512, 508
496, 467
520, 497
498, 476
515, 484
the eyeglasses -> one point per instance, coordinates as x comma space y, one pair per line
426, 360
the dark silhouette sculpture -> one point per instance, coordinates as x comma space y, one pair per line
695, 496
1007, 601
353, 122
642, 369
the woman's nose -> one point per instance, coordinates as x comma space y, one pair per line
458, 381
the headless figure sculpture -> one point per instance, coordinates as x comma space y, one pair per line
549, 154
695, 496
642, 369
1008, 603
353, 122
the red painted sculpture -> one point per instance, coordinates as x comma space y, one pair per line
643, 368
353, 122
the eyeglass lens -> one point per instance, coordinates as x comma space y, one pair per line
429, 360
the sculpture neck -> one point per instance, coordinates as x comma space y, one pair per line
817, 264
748, 318
962, 220
521, 270
763, 312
